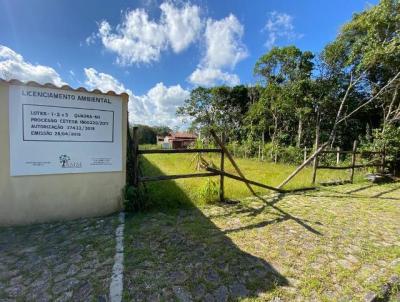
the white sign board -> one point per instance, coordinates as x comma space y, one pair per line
55, 131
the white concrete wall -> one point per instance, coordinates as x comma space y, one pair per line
29, 199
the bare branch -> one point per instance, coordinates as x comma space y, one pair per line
371, 99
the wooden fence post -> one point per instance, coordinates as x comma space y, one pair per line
129, 156
135, 148
262, 148
228, 154
383, 159
337, 155
222, 167
315, 167
315, 161
353, 161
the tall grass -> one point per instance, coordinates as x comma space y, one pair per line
191, 190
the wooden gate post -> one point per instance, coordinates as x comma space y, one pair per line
135, 149
315, 167
337, 155
353, 161
315, 162
228, 154
222, 167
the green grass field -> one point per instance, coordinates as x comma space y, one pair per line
183, 191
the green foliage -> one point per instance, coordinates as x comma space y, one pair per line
209, 192
291, 155
370, 40
135, 198
147, 134
284, 65
388, 140
220, 108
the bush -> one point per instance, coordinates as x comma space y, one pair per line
388, 140
290, 155
210, 191
135, 199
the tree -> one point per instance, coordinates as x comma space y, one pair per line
290, 69
220, 108
368, 47
147, 134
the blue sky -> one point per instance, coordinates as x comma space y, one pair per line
157, 50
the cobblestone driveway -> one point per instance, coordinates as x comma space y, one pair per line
57, 261
336, 244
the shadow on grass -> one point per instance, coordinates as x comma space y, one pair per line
270, 203
175, 252
350, 194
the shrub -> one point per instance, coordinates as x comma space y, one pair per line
210, 191
135, 199
387, 139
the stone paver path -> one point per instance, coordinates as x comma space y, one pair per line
337, 244
65, 261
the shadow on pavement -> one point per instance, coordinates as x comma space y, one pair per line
179, 253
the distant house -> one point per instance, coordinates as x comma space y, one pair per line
177, 140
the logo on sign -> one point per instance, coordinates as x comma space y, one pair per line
66, 162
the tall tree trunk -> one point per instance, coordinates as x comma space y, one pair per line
299, 133
274, 135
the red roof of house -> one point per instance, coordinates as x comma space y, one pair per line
183, 135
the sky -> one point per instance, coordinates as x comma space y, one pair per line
158, 51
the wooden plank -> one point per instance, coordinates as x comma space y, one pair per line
315, 161
300, 190
350, 152
337, 155
228, 154
336, 151
129, 155
135, 148
168, 151
245, 180
171, 177
222, 168
349, 167
299, 168
383, 159
353, 161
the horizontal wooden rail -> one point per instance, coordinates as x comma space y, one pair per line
349, 167
245, 180
166, 151
350, 152
170, 177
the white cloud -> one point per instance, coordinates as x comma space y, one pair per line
156, 107
92, 38
212, 76
224, 49
280, 25
223, 42
138, 39
182, 26
13, 66
160, 104
103, 81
